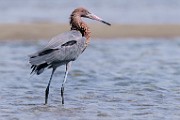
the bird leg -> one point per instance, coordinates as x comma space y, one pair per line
47, 89
62, 94
68, 65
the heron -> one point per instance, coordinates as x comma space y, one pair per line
64, 48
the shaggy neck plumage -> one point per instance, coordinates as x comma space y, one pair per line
77, 24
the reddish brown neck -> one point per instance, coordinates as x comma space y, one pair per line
77, 24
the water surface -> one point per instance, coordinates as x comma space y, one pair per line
113, 79
118, 11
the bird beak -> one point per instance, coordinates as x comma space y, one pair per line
94, 17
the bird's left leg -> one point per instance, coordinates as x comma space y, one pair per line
47, 89
68, 66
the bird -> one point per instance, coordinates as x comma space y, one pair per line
64, 48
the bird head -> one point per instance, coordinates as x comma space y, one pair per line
82, 12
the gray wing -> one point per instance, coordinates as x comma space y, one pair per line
60, 39
64, 47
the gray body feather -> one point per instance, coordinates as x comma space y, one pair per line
60, 50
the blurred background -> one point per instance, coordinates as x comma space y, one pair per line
21, 19
116, 11
130, 70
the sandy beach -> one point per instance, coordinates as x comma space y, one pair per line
35, 31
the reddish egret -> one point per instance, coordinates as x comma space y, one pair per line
64, 48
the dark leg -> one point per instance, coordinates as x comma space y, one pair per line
62, 94
47, 89
68, 65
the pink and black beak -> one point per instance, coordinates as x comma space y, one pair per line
94, 17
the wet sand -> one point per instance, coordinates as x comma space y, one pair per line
35, 31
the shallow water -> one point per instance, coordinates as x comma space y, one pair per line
114, 79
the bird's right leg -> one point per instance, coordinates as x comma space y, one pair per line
47, 89
68, 66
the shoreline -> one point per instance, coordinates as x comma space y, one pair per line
36, 31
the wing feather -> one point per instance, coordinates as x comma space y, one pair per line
64, 47
63, 38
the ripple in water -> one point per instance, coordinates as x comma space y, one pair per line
123, 79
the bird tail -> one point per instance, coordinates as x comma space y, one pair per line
37, 64
38, 69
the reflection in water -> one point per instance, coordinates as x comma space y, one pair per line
126, 79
